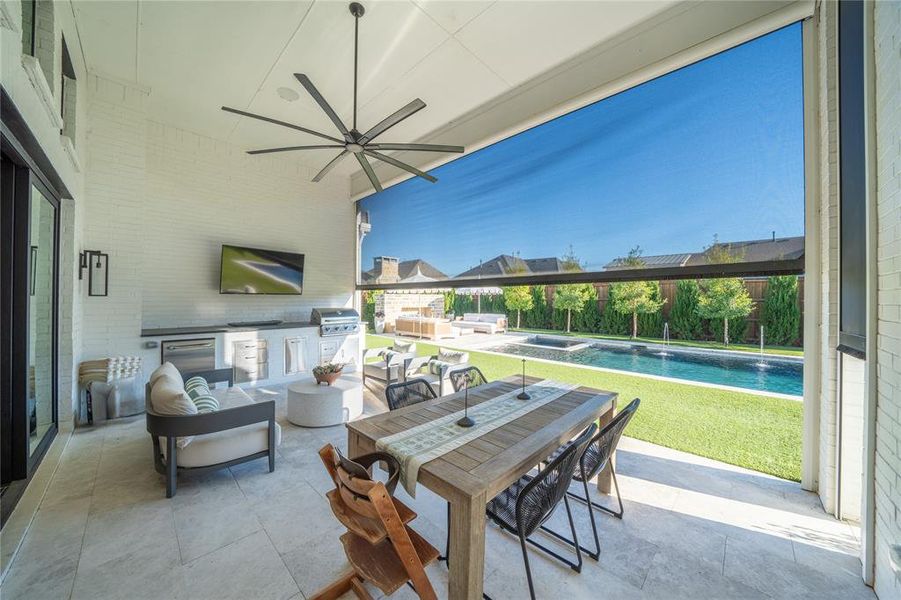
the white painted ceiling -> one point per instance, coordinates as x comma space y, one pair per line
454, 54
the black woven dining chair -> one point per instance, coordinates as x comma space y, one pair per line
458, 378
406, 393
595, 457
525, 506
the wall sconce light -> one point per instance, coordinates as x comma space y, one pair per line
97, 265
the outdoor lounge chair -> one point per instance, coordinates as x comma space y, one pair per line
392, 363
241, 430
437, 369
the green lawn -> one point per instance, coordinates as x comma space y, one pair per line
756, 432
784, 350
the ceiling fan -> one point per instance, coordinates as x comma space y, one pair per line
359, 144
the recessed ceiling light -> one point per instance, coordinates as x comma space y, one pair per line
286, 93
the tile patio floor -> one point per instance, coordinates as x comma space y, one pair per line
693, 528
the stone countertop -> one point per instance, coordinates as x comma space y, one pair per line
195, 330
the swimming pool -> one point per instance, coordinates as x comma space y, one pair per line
782, 376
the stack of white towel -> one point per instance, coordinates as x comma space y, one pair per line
107, 370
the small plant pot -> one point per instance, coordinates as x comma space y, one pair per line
327, 378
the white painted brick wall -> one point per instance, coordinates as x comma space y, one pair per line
161, 201
888, 359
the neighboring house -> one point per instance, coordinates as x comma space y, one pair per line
387, 269
506, 264
746, 251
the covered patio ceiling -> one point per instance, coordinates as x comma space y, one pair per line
482, 67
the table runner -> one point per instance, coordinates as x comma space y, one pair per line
418, 445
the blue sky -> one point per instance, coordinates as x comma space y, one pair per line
715, 148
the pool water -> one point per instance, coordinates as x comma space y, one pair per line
782, 376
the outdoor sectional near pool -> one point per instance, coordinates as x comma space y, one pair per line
483, 322
424, 327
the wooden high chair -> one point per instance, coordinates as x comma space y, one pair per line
379, 545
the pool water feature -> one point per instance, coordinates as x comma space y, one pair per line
754, 372
556, 343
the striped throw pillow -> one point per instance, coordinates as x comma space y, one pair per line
206, 403
197, 386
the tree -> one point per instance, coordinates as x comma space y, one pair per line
571, 297
634, 298
781, 314
651, 323
518, 298
724, 299
685, 322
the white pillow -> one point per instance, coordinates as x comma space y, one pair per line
453, 357
167, 368
168, 397
404, 346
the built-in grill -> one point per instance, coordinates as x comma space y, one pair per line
336, 321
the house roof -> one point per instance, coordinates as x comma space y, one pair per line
748, 251
758, 250
408, 271
659, 260
506, 264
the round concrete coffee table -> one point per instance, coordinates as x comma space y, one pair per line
313, 405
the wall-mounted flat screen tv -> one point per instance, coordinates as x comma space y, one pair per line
256, 271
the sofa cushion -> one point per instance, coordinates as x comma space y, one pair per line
405, 347
197, 386
454, 357
167, 368
168, 397
231, 444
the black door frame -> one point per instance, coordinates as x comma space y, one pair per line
21, 172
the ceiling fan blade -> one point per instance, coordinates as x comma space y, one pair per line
400, 165
418, 147
305, 82
328, 167
393, 119
282, 123
369, 172
290, 148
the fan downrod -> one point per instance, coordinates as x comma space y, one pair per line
357, 10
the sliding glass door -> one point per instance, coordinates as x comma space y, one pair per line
41, 401
29, 253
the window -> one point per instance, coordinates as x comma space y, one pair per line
38, 37
697, 173
68, 95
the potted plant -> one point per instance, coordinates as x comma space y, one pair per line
327, 372
379, 322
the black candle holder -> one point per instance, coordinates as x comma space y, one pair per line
466, 421
523, 395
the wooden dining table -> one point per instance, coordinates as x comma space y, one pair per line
472, 474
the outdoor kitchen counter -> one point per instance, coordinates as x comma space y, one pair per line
169, 331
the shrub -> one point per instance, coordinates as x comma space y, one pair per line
781, 314
613, 322
684, 321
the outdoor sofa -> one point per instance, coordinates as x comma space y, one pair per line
482, 322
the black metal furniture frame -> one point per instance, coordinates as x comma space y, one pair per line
595, 457
172, 427
475, 376
398, 394
554, 479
